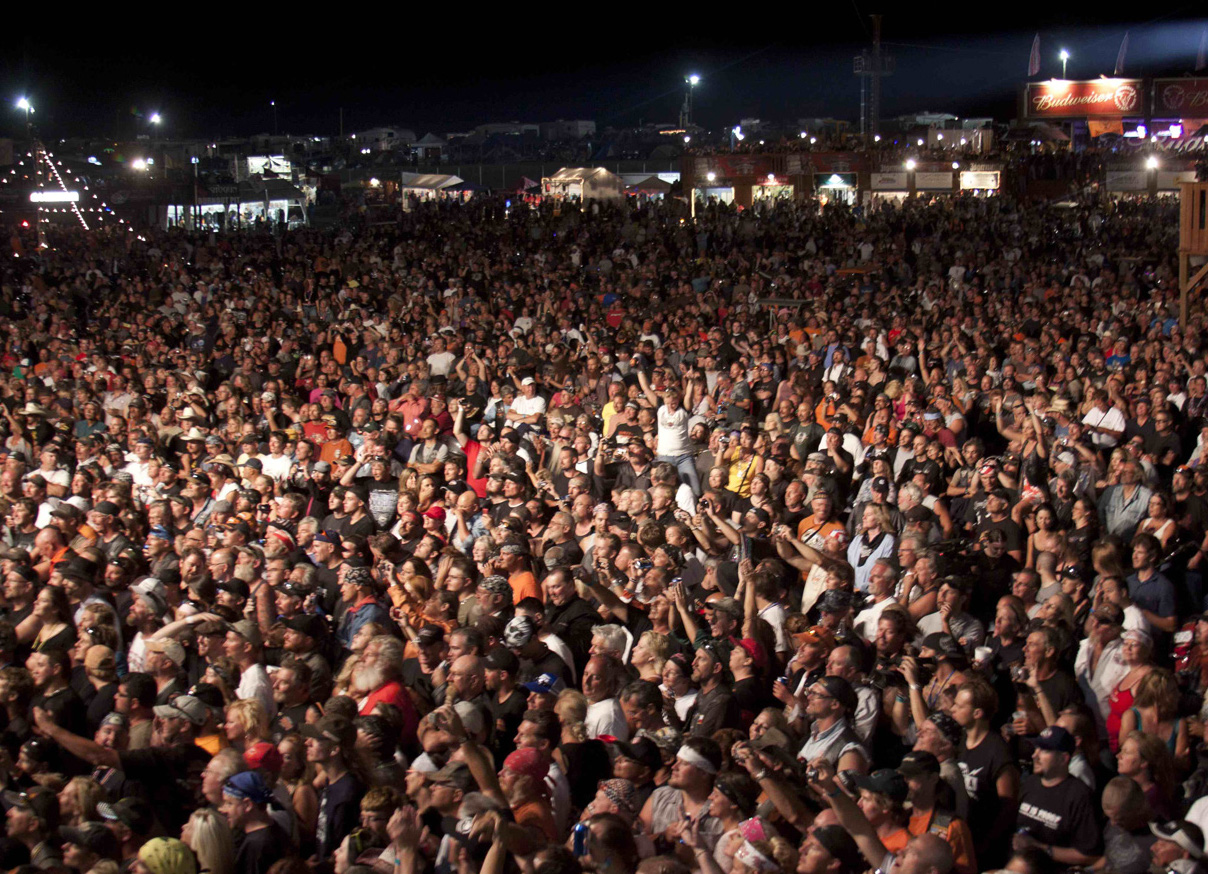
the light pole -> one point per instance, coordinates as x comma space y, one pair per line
273, 104
36, 147
23, 103
693, 80
1065, 56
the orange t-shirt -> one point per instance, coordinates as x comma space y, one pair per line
524, 585
537, 815
957, 835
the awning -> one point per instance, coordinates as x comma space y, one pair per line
429, 181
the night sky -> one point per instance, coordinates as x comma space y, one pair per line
216, 76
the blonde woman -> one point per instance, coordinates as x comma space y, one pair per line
78, 800
246, 723
649, 655
208, 835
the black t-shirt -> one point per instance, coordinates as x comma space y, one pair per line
981, 767
506, 717
383, 501
1061, 815
1062, 690
339, 813
549, 663
258, 850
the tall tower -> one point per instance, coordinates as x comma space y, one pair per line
871, 65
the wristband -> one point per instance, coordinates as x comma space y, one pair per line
832, 793
761, 775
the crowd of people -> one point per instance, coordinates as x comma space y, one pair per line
582, 538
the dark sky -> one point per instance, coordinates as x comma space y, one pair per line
216, 75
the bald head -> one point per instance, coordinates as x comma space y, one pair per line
467, 677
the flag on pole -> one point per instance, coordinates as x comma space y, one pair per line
1201, 58
1034, 58
1120, 56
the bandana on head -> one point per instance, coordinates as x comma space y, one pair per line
692, 757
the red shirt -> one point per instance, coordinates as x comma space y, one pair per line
394, 693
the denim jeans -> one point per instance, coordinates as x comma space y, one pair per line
686, 465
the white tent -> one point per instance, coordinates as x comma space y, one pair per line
585, 183
427, 182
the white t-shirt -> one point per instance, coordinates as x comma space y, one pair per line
276, 469
606, 717
523, 406
673, 432
1113, 420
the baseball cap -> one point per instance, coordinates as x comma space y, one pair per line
435, 512
886, 782
100, 658
546, 684
917, 763
500, 658
106, 508
305, 623
248, 630
167, 856
1055, 738
457, 775
331, 727
643, 750
729, 606
170, 648
263, 755
134, 813
321, 467
42, 801
183, 707
94, 837
1184, 834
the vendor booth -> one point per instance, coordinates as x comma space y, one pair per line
583, 183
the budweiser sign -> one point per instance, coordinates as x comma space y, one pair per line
1102, 98
1180, 97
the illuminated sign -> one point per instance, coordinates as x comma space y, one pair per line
1100, 98
1180, 97
54, 197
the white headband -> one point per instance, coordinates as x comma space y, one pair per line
752, 858
692, 757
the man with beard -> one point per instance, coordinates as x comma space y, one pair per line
292, 694
377, 679
304, 635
